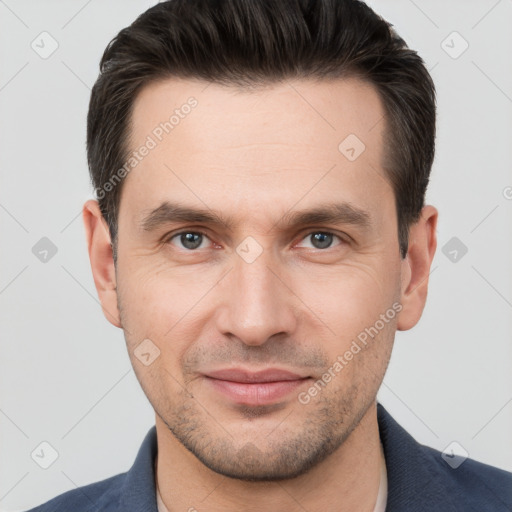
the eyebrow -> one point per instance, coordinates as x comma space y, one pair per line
330, 213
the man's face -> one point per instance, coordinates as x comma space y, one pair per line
224, 301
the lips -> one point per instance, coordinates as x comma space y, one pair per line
254, 388
269, 375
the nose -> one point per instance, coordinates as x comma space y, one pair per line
257, 302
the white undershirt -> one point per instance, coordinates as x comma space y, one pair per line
380, 505
382, 496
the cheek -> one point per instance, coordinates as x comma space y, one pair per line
156, 301
350, 298
358, 314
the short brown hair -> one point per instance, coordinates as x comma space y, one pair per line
251, 42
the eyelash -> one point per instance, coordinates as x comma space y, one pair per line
170, 237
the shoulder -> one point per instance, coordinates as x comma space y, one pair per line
471, 483
132, 490
103, 495
421, 478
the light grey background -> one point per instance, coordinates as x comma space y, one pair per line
65, 375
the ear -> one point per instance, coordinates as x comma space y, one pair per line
416, 268
102, 260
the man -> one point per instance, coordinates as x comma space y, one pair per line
260, 234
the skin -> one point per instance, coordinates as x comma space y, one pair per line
254, 156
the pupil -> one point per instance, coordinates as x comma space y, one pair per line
189, 240
323, 239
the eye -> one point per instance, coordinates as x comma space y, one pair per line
322, 239
194, 240
189, 240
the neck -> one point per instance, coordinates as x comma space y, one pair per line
347, 480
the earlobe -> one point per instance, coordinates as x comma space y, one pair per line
416, 268
102, 261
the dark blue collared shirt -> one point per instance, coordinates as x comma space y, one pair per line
419, 480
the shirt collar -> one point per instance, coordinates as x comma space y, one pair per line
139, 490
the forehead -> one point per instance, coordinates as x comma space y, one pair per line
326, 109
282, 143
